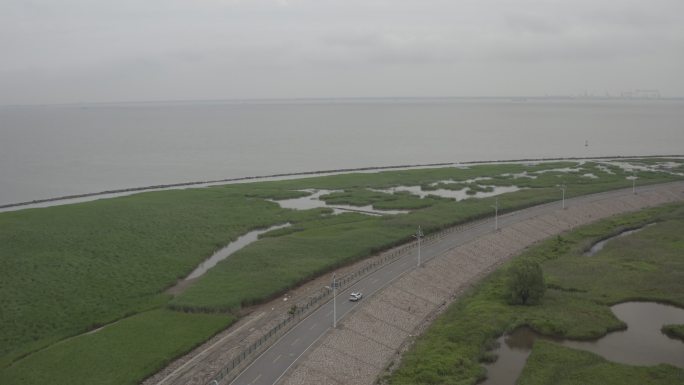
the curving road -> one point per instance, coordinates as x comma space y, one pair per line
270, 367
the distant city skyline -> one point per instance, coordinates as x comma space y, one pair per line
76, 51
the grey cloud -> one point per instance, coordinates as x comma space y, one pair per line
99, 50
529, 23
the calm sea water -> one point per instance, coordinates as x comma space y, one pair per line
61, 150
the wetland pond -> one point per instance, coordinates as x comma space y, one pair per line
457, 195
313, 201
642, 343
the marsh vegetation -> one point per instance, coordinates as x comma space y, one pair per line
67, 270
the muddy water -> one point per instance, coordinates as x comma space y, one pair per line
307, 202
598, 246
458, 195
512, 354
313, 201
642, 343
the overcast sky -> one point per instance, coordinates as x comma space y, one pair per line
62, 51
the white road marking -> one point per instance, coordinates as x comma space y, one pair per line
313, 326
294, 342
297, 359
277, 358
256, 378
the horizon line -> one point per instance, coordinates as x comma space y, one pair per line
343, 98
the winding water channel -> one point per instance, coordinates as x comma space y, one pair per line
598, 246
642, 343
220, 255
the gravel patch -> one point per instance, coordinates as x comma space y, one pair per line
394, 315
306, 375
407, 302
420, 288
337, 364
352, 343
375, 330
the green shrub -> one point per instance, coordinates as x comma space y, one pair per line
525, 283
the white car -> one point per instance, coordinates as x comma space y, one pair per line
355, 296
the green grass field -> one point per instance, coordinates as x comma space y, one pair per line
643, 266
65, 270
122, 353
68, 269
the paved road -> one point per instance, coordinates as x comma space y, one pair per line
268, 368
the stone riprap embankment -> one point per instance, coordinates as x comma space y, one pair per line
373, 336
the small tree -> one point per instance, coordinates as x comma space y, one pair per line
525, 283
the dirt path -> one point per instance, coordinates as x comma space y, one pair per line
372, 338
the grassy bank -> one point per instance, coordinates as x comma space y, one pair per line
674, 331
553, 364
68, 269
643, 266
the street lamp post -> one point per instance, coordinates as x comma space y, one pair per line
334, 285
634, 182
562, 188
419, 235
496, 215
